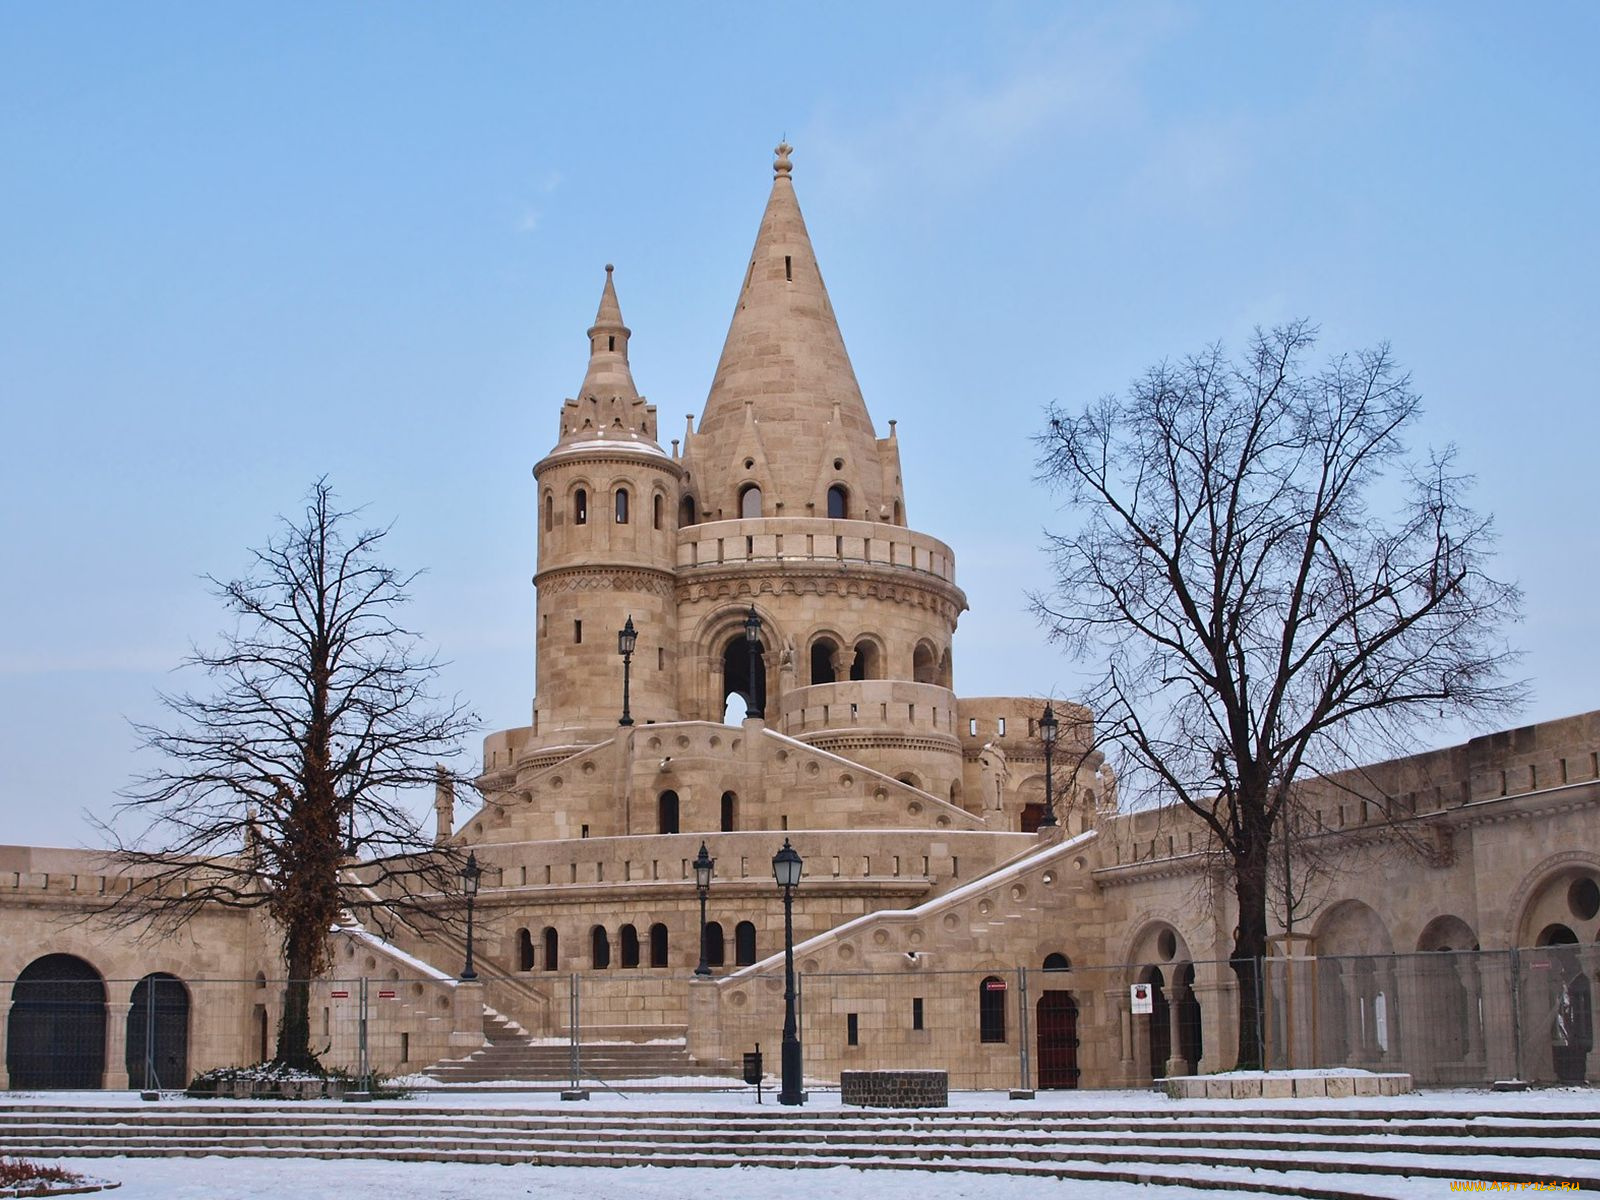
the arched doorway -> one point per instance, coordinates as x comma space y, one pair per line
1160, 1020
56, 1034
736, 664
158, 1033
1056, 1018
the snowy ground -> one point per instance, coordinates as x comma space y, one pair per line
213, 1178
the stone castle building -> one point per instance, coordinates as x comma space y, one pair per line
791, 678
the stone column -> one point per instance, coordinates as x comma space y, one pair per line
1176, 1064
116, 1077
1219, 1023
1121, 1021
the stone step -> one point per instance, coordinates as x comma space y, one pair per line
1083, 1163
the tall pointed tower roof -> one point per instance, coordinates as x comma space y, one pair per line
608, 405
784, 367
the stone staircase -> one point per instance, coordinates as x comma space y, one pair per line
634, 1052
1325, 1153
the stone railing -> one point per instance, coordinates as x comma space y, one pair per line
869, 704
769, 540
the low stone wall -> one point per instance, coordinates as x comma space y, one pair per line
1286, 1086
895, 1089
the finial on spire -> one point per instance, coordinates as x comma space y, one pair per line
782, 166
609, 268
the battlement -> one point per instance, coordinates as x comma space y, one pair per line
771, 540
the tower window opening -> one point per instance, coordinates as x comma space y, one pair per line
838, 502
549, 512
577, 633
658, 945
788, 267
580, 507
622, 506
750, 501
655, 511
667, 812
611, 342
686, 515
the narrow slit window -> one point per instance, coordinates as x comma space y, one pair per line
622, 506
580, 507
788, 273
852, 1029
577, 633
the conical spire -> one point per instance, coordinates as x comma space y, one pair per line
785, 357
608, 404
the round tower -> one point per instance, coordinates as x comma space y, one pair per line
608, 504
794, 508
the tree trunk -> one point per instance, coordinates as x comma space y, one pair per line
294, 1030
1250, 940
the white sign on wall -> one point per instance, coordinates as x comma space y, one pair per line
1143, 1001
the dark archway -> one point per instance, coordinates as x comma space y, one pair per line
629, 937
838, 502
1160, 1020
823, 651
730, 812
716, 946
744, 943
524, 950
736, 674
56, 1034
667, 812
658, 945
552, 948
599, 948
157, 1051
1057, 1022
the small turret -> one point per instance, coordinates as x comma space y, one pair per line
608, 405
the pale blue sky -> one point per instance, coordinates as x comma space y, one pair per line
243, 246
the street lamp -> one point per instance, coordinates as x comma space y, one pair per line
752, 640
471, 872
1047, 733
626, 639
702, 883
786, 865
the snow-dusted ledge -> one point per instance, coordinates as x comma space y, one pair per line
1288, 1085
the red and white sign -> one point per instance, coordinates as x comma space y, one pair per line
340, 995
385, 994
1143, 1001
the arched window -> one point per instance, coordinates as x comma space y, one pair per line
629, 937
599, 948
580, 507
822, 652
524, 950
667, 812
656, 506
549, 512
924, 667
552, 948
686, 512
716, 950
866, 664
897, 519
750, 501
736, 667
744, 943
838, 502
992, 1009
730, 812
622, 506
1057, 962
658, 945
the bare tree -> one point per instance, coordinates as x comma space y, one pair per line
293, 768
1275, 585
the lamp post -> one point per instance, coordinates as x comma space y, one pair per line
786, 866
702, 882
471, 872
1047, 733
752, 645
626, 639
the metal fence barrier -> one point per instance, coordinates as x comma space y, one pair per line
1447, 1018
